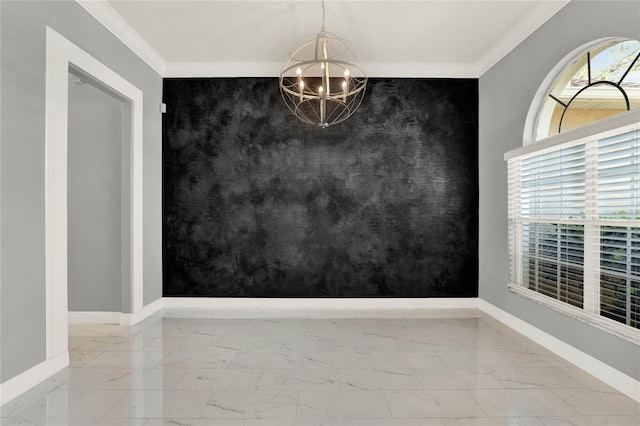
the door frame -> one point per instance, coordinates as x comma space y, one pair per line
60, 55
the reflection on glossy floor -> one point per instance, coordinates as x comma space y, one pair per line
455, 367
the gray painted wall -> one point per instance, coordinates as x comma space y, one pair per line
22, 62
506, 92
94, 199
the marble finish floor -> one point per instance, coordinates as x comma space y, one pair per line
444, 368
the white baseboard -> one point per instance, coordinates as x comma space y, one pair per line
76, 317
21, 383
614, 378
133, 319
297, 307
115, 317
24, 381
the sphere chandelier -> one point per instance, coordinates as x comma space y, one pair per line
323, 82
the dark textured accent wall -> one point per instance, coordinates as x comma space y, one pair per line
258, 204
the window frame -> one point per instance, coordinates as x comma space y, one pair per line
590, 313
536, 110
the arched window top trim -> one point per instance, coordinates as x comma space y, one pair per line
577, 62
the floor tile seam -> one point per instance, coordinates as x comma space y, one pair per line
295, 414
206, 404
459, 388
475, 400
608, 415
533, 388
563, 401
124, 395
386, 400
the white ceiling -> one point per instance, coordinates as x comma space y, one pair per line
424, 38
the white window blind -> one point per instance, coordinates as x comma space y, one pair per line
618, 199
553, 184
574, 225
619, 177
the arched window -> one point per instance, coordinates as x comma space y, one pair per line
601, 82
574, 190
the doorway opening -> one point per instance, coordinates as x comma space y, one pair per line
97, 180
62, 58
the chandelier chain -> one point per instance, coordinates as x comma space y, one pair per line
323, 13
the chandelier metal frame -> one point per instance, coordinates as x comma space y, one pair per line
323, 81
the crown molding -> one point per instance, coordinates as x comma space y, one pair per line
112, 21
420, 70
538, 15
222, 69
272, 69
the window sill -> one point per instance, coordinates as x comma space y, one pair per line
626, 121
623, 331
